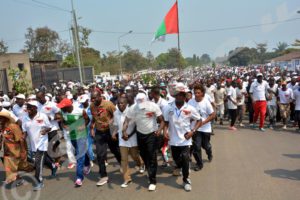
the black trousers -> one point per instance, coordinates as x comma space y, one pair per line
148, 145
103, 140
233, 115
201, 139
250, 112
53, 140
181, 156
40, 159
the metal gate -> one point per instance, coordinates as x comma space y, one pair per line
3, 81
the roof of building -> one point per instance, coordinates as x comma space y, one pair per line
287, 57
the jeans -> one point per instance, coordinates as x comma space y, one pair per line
90, 145
272, 112
181, 156
147, 145
201, 139
82, 158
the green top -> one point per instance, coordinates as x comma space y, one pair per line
75, 124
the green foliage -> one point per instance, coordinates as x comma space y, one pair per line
20, 83
149, 78
3, 47
171, 59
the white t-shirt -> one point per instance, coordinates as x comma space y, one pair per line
119, 118
205, 109
231, 92
286, 96
272, 102
211, 92
33, 127
240, 93
219, 96
297, 98
259, 90
145, 116
50, 109
162, 103
180, 123
20, 112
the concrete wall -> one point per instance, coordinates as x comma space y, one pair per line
12, 60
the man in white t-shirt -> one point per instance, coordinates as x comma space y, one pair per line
127, 142
232, 104
36, 125
146, 114
285, 98
202, 137
220, 95
179, 130
272, 102
258, 91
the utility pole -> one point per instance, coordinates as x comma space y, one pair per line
76, 42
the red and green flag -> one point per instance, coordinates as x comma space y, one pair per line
169, 25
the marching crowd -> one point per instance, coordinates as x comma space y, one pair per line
173, 117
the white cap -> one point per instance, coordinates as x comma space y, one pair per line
32, 97
49, 95
259, 74
20, 96
70, 96
180, 87
127, 88
33, 103
83, 98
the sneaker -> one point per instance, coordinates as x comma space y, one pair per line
232, 128
142, 169
71, 165
284, 127
106, 163
177, 172
78, 182
262, 129
126, 184
210, 157
102, 181
152, 187
19, 182
187, 186
165, 164
38, 187
91, 163
242, 125
271, 127
87, 170
198, 168
53, 171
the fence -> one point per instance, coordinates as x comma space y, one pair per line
3, 81
48, 75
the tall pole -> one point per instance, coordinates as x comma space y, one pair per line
178, 37
76, 42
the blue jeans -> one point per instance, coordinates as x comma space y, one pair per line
82, 157
90, 145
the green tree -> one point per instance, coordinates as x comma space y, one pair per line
133, 60
205, 59
281, 47
241, 56
261, 49
20, 83
43, 44
3, 47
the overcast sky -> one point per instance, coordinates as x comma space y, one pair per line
143, 17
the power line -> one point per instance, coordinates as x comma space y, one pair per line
205, 30
51, 6
29, 4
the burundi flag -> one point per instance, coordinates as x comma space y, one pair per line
169, 24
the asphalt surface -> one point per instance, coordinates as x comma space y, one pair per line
247, 164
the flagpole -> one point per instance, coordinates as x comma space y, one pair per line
178, 38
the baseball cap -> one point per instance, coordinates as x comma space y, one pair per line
33, 103
65, 103
20, 96
180, 87
259, 74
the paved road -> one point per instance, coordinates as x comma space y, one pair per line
247, 164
